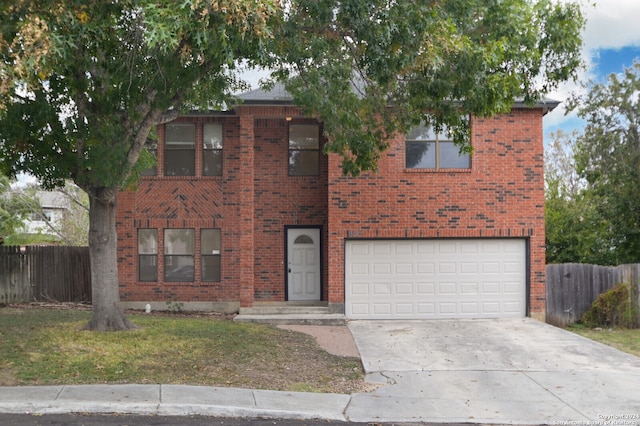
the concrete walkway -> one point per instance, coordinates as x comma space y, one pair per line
478, 371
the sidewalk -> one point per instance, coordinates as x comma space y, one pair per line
172, 400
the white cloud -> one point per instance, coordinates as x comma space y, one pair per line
612, 24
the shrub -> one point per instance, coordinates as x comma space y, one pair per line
613, 308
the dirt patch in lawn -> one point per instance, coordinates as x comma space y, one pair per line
336, 340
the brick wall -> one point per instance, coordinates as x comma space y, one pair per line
502, 195
252, 203
281, 201
255, 200
184, 202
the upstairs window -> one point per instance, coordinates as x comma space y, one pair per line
426, 149
148, 254
304, 150
180, 150
212, 150
41, 216
178, 255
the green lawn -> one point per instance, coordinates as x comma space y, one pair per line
626, 340
46, 346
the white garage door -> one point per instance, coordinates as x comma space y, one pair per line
474, 278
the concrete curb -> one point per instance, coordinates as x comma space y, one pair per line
172, 400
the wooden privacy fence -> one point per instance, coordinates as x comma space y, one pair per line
44, 273
572, 288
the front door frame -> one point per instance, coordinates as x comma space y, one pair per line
286, 259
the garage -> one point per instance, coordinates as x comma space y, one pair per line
435, 278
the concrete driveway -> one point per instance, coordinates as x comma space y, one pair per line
516, 371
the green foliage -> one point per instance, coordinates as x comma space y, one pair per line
24, 239
567, 211
412, 61
83, 106
597, 220
613, 308
92, 81
608, 158
575, 232
13, 211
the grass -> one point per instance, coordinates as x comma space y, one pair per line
626, 340
47, 347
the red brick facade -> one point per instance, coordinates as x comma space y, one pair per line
255, 201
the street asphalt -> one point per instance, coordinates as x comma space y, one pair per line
508, 371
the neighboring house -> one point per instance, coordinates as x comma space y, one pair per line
244, 210
53, 207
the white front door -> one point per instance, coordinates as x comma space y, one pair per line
303, 263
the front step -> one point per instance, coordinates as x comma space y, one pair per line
294, 319
290, 313
284, 309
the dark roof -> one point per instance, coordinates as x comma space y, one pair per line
547, 104
278, 95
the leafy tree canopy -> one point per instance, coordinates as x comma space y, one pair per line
88, 82
607, 156
448, 58
108, 68
568, 213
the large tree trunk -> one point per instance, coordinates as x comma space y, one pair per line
107, 311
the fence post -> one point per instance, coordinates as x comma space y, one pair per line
630, 274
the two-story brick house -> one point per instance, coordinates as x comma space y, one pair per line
244, 209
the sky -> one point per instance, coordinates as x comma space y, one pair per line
611, 43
